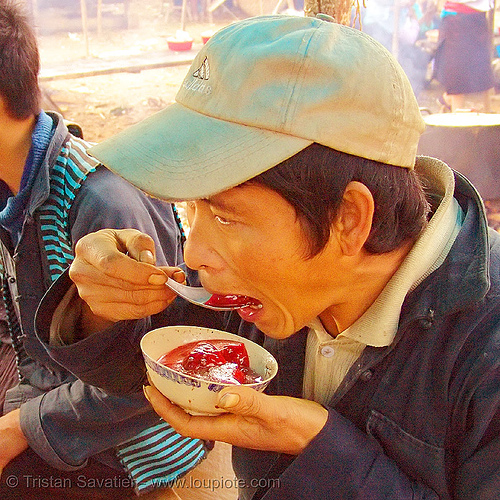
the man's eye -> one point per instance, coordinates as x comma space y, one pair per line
221, 220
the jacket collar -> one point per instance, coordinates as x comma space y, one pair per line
466, 268
378, 326
41, 185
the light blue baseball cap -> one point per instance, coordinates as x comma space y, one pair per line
260, 91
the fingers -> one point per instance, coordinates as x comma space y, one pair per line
114, 274
175, 273
274, 423
106, 251
174, 415
243, 401
115, 299
119, 311
226, 427
138, 245
254, 420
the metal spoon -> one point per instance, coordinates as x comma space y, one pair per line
199, 296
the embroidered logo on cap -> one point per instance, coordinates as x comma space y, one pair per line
203, 72
196, 82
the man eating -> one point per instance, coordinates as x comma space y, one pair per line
373, 273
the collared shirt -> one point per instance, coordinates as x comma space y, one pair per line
329, 359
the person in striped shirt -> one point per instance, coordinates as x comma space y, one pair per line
60, 437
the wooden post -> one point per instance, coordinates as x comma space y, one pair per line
491, 21
83, 7
99, 17
183, 15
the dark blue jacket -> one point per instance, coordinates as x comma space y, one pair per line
418, 419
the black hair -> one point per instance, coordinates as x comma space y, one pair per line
19, 62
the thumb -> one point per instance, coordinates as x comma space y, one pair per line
242, 400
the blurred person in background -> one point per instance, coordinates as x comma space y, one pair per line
56, 429
414, 19
463, 56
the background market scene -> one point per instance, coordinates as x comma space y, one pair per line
108, 64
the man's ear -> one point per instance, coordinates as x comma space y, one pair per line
354, 218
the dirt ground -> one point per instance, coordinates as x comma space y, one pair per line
103, 105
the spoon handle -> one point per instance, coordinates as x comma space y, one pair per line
194, 294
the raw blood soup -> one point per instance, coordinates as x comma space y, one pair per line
218, 360
231, 301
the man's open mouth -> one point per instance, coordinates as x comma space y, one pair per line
233, 301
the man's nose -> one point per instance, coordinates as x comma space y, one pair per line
199, 249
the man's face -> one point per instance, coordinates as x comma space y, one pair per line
248, 241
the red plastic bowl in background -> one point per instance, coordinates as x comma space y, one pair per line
180, 45
206, 35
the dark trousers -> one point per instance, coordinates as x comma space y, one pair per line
28, 477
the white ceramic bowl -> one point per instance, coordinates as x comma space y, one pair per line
195, 395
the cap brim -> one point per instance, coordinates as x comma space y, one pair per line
179, 154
